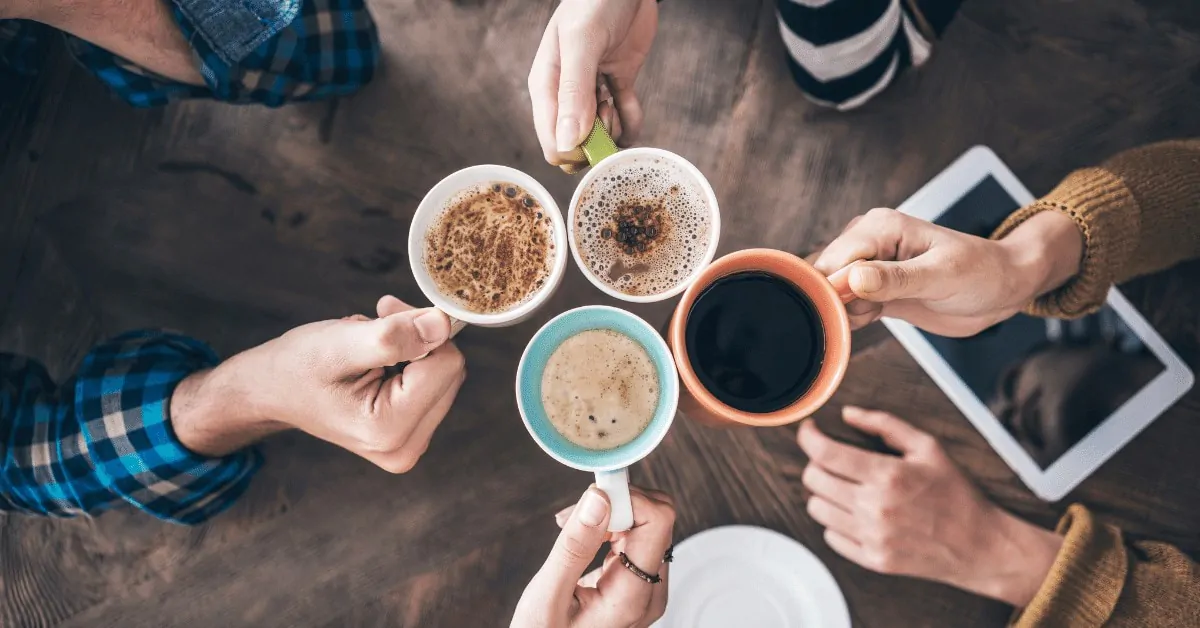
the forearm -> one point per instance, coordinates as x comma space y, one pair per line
209, 413
1013, 559
1136, 214
141, 31
109, 437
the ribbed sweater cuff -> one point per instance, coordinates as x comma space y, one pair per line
1086, 580
1099, 203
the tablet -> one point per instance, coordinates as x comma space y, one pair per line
1055, 398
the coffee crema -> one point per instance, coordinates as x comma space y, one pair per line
600, 389
491, 249
643, 226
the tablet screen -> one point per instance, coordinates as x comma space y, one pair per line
1049, 382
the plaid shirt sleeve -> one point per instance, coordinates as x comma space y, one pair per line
106, 437
331, 48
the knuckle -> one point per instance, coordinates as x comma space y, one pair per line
882, 559
807, 477
892, 481
574, 551
374, 439
881, 215
569, 87
401, 463
666, 514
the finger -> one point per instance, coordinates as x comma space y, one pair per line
629, 108
877, 234
356, 317
543, 90
366, 345
422, 383
388, 305
833, 517
847, 547
841, 459
575, 547
898, 434
579, 50
658, 599
838, 490
418, 441
657, 496
880, 282
863, 313
644, 545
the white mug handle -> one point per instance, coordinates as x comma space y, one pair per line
615, 484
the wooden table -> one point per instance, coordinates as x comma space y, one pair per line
234, 224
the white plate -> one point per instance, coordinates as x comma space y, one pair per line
736, 576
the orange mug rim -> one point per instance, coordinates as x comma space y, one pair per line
836, 358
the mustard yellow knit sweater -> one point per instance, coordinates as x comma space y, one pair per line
1139, 213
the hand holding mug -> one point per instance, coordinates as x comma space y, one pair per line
333, 379
944, 281
917, 515
583, 41
561, 596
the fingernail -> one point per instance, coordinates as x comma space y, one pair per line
592, 509
869, 279
851, 411
431, 326
567, 135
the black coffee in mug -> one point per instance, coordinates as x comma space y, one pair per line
755, 341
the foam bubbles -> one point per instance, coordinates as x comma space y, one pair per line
643, 226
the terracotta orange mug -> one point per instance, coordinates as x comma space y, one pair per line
698, 403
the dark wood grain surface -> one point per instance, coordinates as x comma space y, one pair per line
234, 224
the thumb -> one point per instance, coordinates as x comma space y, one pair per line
580, 56
581, 537
398, 337
881, 282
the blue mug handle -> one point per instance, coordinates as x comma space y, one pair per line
615, 485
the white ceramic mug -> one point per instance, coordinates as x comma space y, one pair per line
431, 208
604, 161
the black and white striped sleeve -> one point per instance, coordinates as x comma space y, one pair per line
844, 52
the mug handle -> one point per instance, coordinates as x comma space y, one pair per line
615, 484
599, 145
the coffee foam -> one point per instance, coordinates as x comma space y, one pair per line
673, 204
491, 249
600, 389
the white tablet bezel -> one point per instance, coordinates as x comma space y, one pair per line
1053, 483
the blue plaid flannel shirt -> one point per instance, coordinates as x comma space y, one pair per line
267, 52
105, 437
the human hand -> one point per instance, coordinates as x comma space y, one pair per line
917, 515
561, 596
335, 380
944, 281
584, 41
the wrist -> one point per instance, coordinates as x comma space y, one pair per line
212, 414
1045, 252
1016, 561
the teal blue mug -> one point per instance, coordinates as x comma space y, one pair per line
609, 465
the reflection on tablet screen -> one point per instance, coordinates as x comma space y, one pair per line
1050, 382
